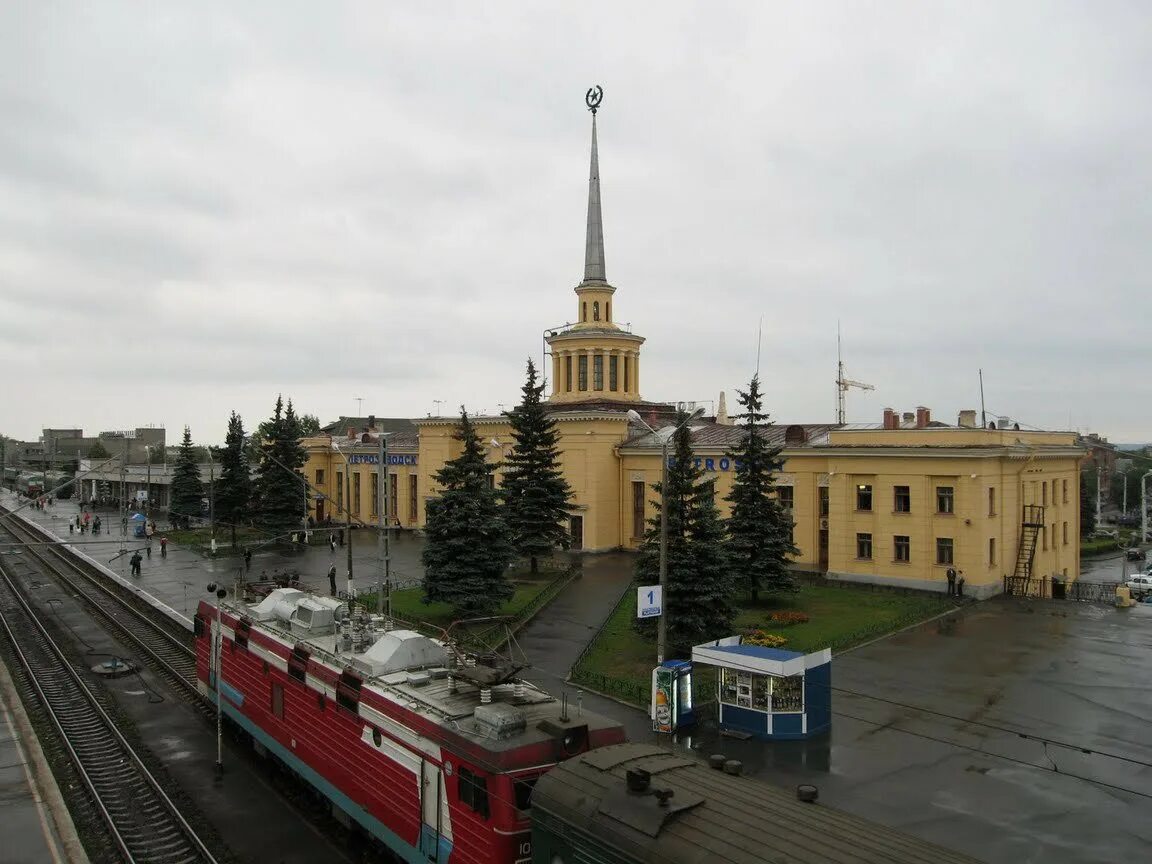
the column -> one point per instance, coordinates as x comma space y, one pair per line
636, 372
556, 368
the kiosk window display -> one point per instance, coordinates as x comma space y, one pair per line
770, 693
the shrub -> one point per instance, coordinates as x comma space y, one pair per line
788, 618
764, 640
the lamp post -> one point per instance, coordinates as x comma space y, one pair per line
148, 483
347, 516
662, 624
385, 597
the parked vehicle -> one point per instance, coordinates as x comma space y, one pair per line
1134, 554
1140, 584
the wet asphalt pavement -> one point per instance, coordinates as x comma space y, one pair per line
1075, 673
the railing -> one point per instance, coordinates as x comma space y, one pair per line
1044, 588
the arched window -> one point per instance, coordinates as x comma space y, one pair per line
584, 311
596, 310
607, 310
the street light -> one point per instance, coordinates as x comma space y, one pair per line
662, 624
347, 516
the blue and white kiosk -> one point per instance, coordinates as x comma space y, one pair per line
770, 693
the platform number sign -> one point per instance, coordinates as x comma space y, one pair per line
649, 601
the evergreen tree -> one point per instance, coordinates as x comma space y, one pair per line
759, 529
98, 451
187, 492
468, 549
535, 491
234, 488
1088, 503
279, 483
698, 591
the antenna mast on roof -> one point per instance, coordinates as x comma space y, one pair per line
842, 383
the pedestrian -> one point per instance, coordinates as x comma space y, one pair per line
951, 574
332, 579
340, 534
163, 547
135, 562
247, 559
332, 542
960, 585
71, 527
148, 548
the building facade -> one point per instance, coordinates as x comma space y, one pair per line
899, 503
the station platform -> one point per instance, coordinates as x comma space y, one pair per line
37, 827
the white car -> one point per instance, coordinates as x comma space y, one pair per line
1140, 584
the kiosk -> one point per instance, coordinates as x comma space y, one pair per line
770, 693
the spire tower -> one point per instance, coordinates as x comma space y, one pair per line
594, 246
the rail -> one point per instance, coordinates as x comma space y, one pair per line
144, 823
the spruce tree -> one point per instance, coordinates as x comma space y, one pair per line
534, 489
187, 492
234, 488
759, 528
279, 483
468, 549
698, 591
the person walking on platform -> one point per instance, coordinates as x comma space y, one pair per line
340, 537
71, 527
247, 560
332, 542
163, 547
332, 579
951, 574
135, 562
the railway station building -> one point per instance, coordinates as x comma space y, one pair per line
898, 502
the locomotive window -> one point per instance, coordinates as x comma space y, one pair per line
278, 701
523, 789
473, 791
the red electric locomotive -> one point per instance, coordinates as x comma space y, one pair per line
432, 750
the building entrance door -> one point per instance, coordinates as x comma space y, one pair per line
823, 550
576, 532
320, 511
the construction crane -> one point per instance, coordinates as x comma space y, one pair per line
842, 383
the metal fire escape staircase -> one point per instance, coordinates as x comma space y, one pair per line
1030, 524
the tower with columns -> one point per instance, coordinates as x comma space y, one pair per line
594, 360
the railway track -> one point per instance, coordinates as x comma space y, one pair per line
143, 822
167, 649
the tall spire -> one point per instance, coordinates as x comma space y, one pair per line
594, 246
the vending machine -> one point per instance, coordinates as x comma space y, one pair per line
671, 707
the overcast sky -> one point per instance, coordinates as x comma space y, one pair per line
203, 205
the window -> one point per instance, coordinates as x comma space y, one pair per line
568, 373
319, 476
991, 500
356, 492
863, 497
607, 310
786, 495
902, 547
412, 511
902, 499
1044, 537
393, 494
943, 550
339, 490
637, 509
584, 311
992, 551
1065, 487
945, 502
1044, 493
598, 372
375, 494
278, 701
522, 790
1065, 533
473, 791
596, 310
823, 492
582, 374
613, 364
627, 371
864, 546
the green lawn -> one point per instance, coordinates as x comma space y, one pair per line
620, 660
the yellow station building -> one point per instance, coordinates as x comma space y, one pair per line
896, 503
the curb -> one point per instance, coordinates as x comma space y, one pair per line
40, 774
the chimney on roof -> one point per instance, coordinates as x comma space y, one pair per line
722, 412
908, 420
371, 421
891, 419
967, 419
923, 417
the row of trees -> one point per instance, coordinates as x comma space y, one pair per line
475, 530
272, 497
712, 562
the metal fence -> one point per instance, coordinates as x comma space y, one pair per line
1045, 588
